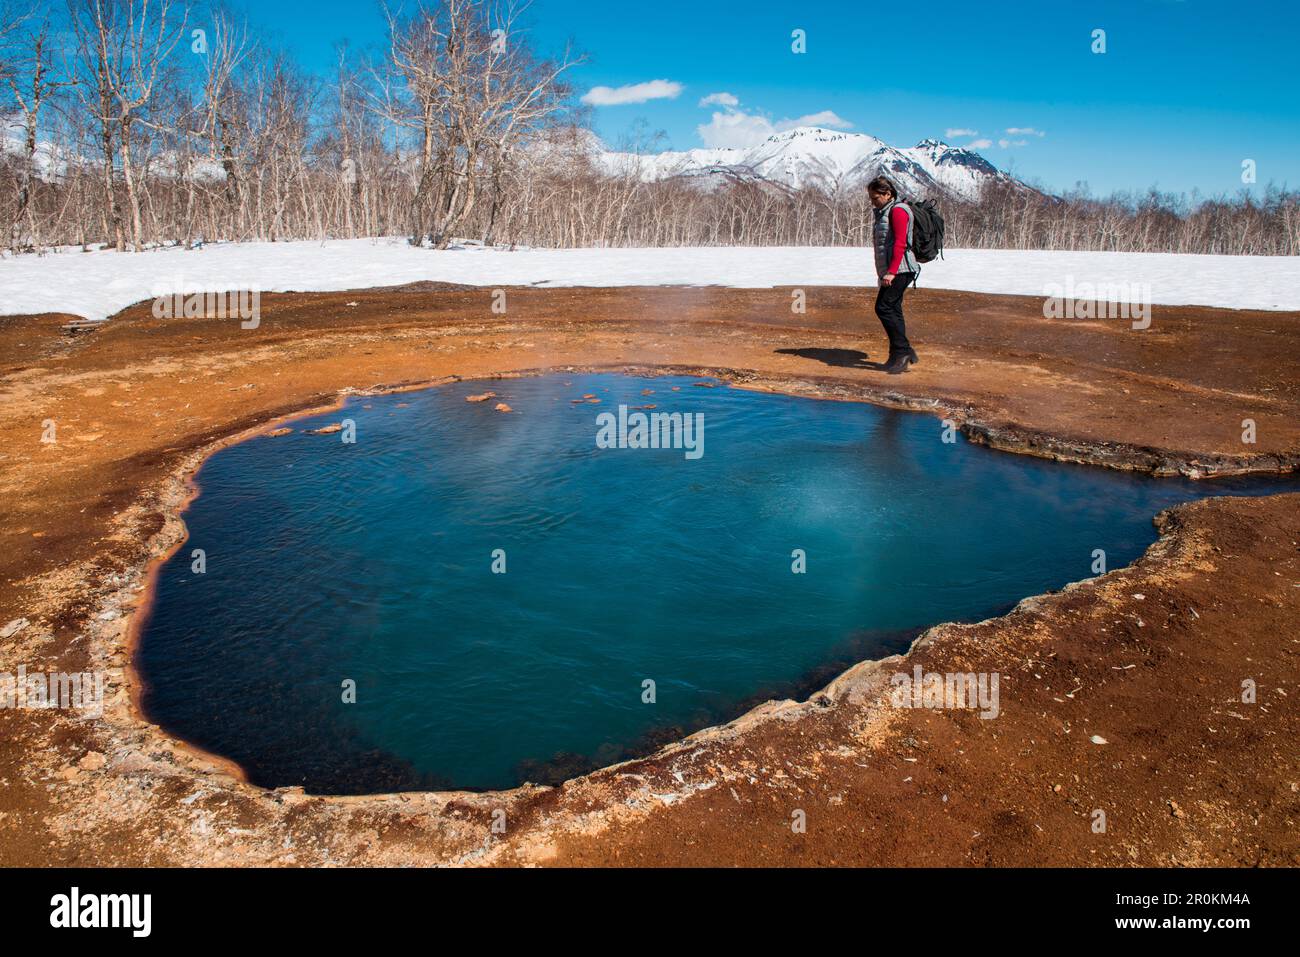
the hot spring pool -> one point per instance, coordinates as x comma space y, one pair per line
372, 562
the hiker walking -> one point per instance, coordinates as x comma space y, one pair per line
896, 267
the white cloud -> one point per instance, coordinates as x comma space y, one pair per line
1007, 144
957, 131
979, 145
632, 93
720, 99
826, 118
735, 129
1024, 131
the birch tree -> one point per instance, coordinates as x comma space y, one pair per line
474, 90
121, 47
29, 71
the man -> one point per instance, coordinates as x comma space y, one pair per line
895, 268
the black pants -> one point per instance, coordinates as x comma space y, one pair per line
889, 310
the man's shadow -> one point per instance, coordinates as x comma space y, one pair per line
840, 358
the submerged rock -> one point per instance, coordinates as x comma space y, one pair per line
502, 407
481, 398
327, 430
284, 431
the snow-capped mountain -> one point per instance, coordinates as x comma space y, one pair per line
50, 161
829, 159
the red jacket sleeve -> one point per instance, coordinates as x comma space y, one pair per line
898, 226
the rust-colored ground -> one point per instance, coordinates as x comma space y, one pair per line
1150, 658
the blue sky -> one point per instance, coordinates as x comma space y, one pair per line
1186, 90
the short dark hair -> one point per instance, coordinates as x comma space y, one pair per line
882, 185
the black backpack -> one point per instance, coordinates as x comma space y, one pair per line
927, 230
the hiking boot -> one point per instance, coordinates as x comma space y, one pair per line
899, 361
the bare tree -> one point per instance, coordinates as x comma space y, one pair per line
222, 124
121, 46
28, 70
474, 89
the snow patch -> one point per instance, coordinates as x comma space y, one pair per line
98, 284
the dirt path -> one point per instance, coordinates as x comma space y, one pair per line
1190, 773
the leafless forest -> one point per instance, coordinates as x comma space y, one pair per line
144, 122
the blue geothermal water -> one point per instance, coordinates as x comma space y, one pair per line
372, 562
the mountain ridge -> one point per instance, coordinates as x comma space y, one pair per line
832, 160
